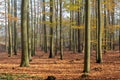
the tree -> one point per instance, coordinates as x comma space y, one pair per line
33, 30
35, 27
61, 34
52, 54
87, 37
99, 40
56, 19
24, 35
44, 26
105, 25
79, 20
10, 48
29, 34
15, 27
74, 30
6, 27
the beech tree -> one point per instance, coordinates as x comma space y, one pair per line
44, 26
61, 26
87, 37
24, 35
29, 33
10, 42
61, 34
15, 27
52, 54
99, 40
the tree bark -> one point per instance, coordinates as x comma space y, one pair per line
24, 35
87, 37
10, 48
61, 35
52, 54
15, 27
99, 33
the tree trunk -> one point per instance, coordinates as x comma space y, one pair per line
51, 31
99, 33
44, 26
24, 40
29, 34
32, 30
56, 18
6, 27
79, 31
15, 27
87, 37
61, 34
9, 30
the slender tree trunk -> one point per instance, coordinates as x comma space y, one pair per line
79, 31
44, 26
35, 25
105, 32
96, 30
99, 33
87, 37
6, 27
15, 27
29, 34
32, 30
52, 54
70, 46
74, 30
56, 14
38, 25
61, 34
9, 30
24, 35
113, 23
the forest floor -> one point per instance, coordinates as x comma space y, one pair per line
70, 68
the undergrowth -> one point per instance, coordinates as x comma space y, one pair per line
6, 76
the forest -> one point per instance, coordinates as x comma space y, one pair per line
59, 39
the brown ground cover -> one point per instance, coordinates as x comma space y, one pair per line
70, 68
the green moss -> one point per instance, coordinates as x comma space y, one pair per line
6, 76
